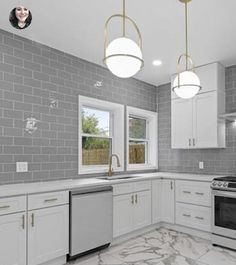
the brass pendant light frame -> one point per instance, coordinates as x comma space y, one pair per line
186, 55
124, 18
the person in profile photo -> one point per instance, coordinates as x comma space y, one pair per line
20, 17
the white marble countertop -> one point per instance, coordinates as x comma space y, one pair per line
71, 184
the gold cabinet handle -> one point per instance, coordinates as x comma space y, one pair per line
132, 199
193, 141
187, 192
189, 142
32, 219
136, 198
4, 207
186, 215
51, 200
23, 221
171, 185
199, 193
199, 218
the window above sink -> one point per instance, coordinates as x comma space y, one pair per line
101, 133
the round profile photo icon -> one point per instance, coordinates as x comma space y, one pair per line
20, 17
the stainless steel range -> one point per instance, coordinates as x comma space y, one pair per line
224, 211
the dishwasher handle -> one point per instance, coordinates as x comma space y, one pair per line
91, 190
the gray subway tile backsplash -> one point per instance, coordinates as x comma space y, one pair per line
30, 75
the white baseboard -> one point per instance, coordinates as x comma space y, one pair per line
57, 261
187, 230
121, 239
179, 228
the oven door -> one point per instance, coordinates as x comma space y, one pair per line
224, 213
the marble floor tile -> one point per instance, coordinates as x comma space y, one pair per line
219, 256
142, 252
179, 260
189, 246
159, 237
98, 259
161, 247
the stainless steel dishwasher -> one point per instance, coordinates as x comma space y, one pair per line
91, 220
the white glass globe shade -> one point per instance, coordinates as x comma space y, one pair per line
124, 66
189, 85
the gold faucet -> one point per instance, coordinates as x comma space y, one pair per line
110, 170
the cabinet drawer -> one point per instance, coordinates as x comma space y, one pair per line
194, 216
193, 192
141, 186
12, 205
131, 187
44, 200
124, 188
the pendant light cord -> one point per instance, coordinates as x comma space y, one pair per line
186, 34
123, 18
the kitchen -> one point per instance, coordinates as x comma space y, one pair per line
157, 207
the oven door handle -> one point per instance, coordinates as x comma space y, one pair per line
224, 193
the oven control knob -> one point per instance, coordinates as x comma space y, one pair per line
225, 184
219, 183
214, 183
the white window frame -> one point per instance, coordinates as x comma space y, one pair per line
151, 138
117, 117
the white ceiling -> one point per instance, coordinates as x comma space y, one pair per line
76, 27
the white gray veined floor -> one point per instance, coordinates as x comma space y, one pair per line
161, 247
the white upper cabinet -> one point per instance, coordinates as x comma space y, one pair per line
212, 77
195, 122
181, 123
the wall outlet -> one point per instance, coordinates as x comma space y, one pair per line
201, 165
21, 166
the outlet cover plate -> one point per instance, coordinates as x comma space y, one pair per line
201, 165
21, 166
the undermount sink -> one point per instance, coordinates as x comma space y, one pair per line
118, 177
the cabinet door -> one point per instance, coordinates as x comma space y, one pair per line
122, 214
156, 200
168, 201
13, 239
142, 209
181, 123
47, 234
205, 120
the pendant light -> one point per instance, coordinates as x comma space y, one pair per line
123, 56
186, 84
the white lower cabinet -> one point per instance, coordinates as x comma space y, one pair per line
142, 209
163, 201
194, 216
47, 234
168, 201
193, 204
122, 214
156, 200
131, 211
13, 239
37, 236
182, 202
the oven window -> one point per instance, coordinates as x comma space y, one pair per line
225, 212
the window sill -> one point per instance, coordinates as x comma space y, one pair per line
98, 170
141, 167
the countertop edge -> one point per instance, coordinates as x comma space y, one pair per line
24, 189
